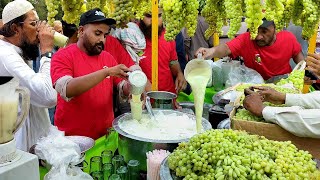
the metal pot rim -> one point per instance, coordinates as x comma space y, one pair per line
205, 123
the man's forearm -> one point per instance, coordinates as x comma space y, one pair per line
298, 121
221, 51
79, 85
175, 69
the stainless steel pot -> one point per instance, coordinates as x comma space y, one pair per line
162, 99
133, 147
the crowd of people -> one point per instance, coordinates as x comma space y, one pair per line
78, 82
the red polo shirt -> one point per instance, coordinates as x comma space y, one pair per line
274, 59
166, 53
90, 113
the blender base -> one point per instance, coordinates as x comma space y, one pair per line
26, 167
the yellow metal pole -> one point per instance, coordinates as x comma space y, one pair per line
313, 42
216, 41
155, 45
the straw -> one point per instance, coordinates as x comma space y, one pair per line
154, 160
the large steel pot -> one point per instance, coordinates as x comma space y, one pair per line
133, 147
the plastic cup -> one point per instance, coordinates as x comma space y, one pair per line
60, 40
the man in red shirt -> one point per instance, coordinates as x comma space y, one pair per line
269, 53
84, 75
168, 64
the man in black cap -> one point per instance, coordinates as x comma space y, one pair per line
269, 53
84, 75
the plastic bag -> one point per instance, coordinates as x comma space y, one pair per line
217, 79
61, 153
67, 173
243, 74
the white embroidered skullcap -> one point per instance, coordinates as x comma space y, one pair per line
15, 9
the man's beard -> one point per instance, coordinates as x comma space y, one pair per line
147, 30
92, 50
29, 51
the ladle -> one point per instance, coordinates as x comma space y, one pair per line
149, 108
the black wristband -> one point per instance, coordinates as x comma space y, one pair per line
47, 54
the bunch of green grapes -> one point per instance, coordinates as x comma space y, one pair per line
234, 13
202, 3
296, 77
297, 12
52, 7
123, 12
191, 14
173, 17
104, 7
287, 13
71, 10
243, 114
228, 154
214, 13
274, 12
144, 6
91, 4
310, 17
254, 16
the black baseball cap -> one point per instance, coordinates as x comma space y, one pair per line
93, 16
266, 23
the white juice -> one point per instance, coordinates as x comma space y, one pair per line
8, 117
198, 79
164, 127
136, 107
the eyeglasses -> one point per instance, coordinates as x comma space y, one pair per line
32, 23
150, 16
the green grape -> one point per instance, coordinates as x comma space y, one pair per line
287, 13
243, 114
91, 4
214, 13
274, 12
174, 13
296, 77
142, 7
191, 13
122, 12
310, 17
72, 10
234, 13
52, 7
297, 12
229, 154
254, 16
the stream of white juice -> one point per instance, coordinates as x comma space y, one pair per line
198, 79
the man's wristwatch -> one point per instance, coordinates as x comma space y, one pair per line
47, 54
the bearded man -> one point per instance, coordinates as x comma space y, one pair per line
170, 76
23, 36
269, 53
85, 76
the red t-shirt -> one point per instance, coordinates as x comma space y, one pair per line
166, 53
274, 59
114, 47
90, 113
